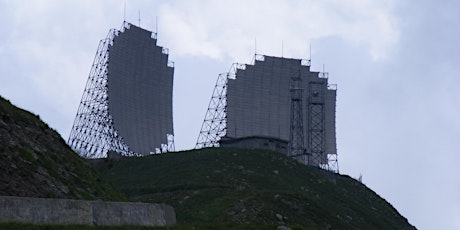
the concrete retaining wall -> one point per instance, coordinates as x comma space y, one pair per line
81, 212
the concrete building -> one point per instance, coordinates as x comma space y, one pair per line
256, 142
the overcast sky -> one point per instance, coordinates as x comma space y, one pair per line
396, 64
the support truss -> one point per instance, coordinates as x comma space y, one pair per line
332, 163
169, 147
316, 131
93, 133
296, 139
215, 121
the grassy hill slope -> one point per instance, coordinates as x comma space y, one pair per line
250, 186
36, 162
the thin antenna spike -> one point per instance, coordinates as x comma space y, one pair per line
156, 25
282, 48
255, 45
139, 18
310, 54
124, 13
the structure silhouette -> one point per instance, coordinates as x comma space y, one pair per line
276, 103
126, 106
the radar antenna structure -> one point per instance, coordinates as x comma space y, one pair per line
93, 133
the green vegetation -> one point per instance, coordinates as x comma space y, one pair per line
35, 161
225, 186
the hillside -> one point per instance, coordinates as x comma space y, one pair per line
36, 162
225, 186
220, 188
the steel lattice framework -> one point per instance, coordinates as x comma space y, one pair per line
315, 123
296, 143
214, 126
93, 134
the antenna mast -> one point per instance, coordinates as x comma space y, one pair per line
124, 13
282, 48
156, 25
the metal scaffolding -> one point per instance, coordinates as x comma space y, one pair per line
214, 126
93, 133
315, 123
169, 147
296, 140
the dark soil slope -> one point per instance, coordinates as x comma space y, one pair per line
36, 162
